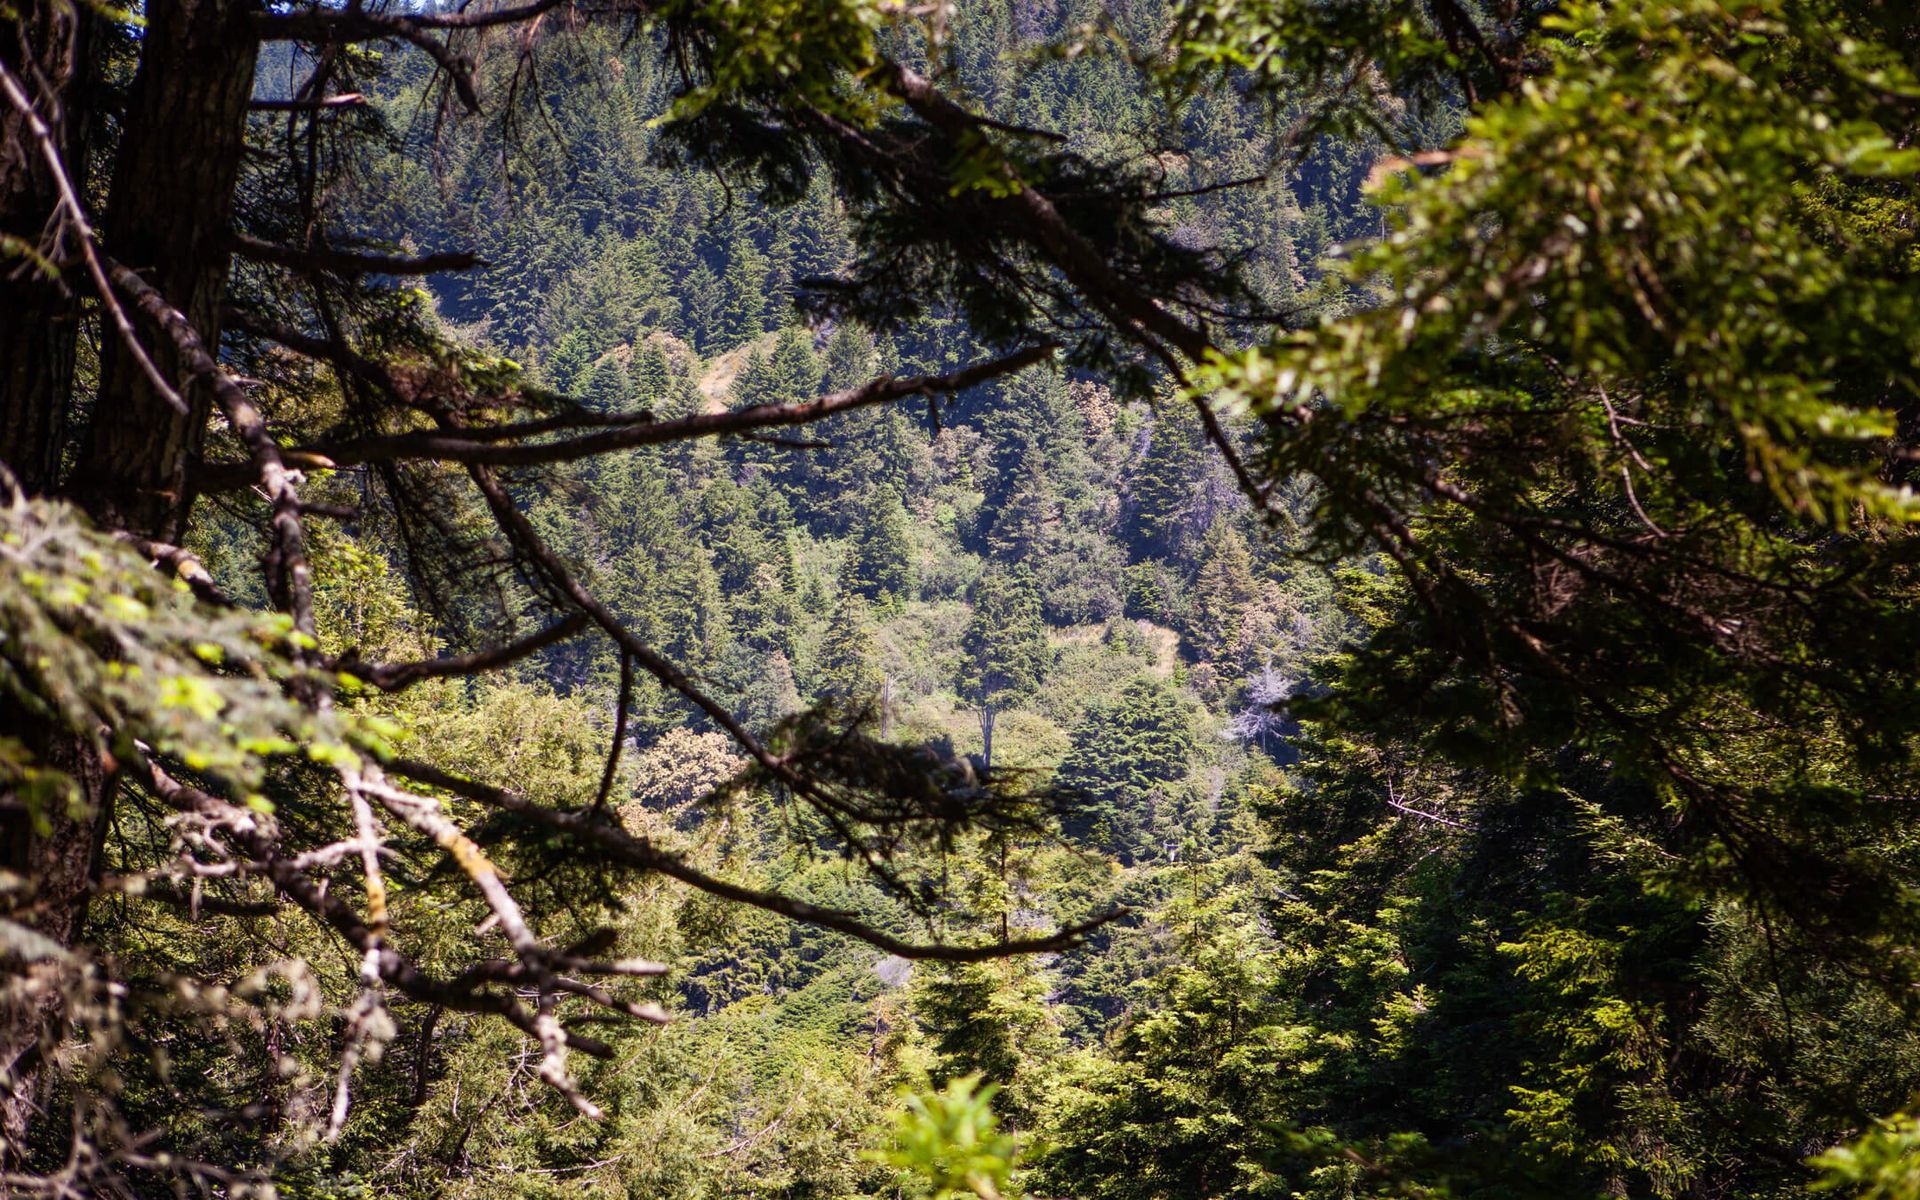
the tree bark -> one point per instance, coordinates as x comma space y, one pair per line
58, 856
169, 217
46, 48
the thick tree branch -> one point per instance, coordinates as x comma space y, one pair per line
619, 846
345, 100
394, 677
357, 24
497, 447
350, 262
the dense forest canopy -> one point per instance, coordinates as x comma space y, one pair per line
1086, 598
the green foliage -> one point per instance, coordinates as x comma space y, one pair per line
1881, 1164
1593, 876
880, 560
1195, 1076
1120, 782
1004, 654
1625, 430
950, 1140
92, 639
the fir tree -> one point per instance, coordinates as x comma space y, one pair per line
1226, 603
1004, 656
844, 668
743, 294
1029, 517
607, 389
651, 376
880, 559
1118, 781
1161, 486
570, 363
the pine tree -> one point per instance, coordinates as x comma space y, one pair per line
850, 358
844, 668
1226, 615
743, 295
702, 300
756, 383
607, 389
794, 366
651, 377
1199, 1080
990, 1020
1119, 778
1004, 656
771, 695
1161, 486
880, 557
1029, 517
570, 363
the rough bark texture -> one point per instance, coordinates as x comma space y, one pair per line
57, 856
169, 218
39, 317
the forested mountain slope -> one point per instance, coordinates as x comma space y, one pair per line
1085, 598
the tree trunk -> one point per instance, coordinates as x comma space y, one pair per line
169, 217
170, 214
57, 855
45, 50
39, 316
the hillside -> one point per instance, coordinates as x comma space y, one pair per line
1084, 599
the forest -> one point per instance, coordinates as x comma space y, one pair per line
1079, 599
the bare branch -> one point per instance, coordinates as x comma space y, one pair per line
640, 429
355, 23
622, 847
182, 563
394, 677
352, 24
350, 262
345, 100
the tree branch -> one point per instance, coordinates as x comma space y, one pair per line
480, 446
350, 262
394, 677
622, 847
345, 100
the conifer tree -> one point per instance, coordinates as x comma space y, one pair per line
1030, 516
880, 558
1227, 613
570, 363
1161, 486
702, 304
742, 310
794, 366
844, 667
1118, 781
607, 388
651, 377
1004, 655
